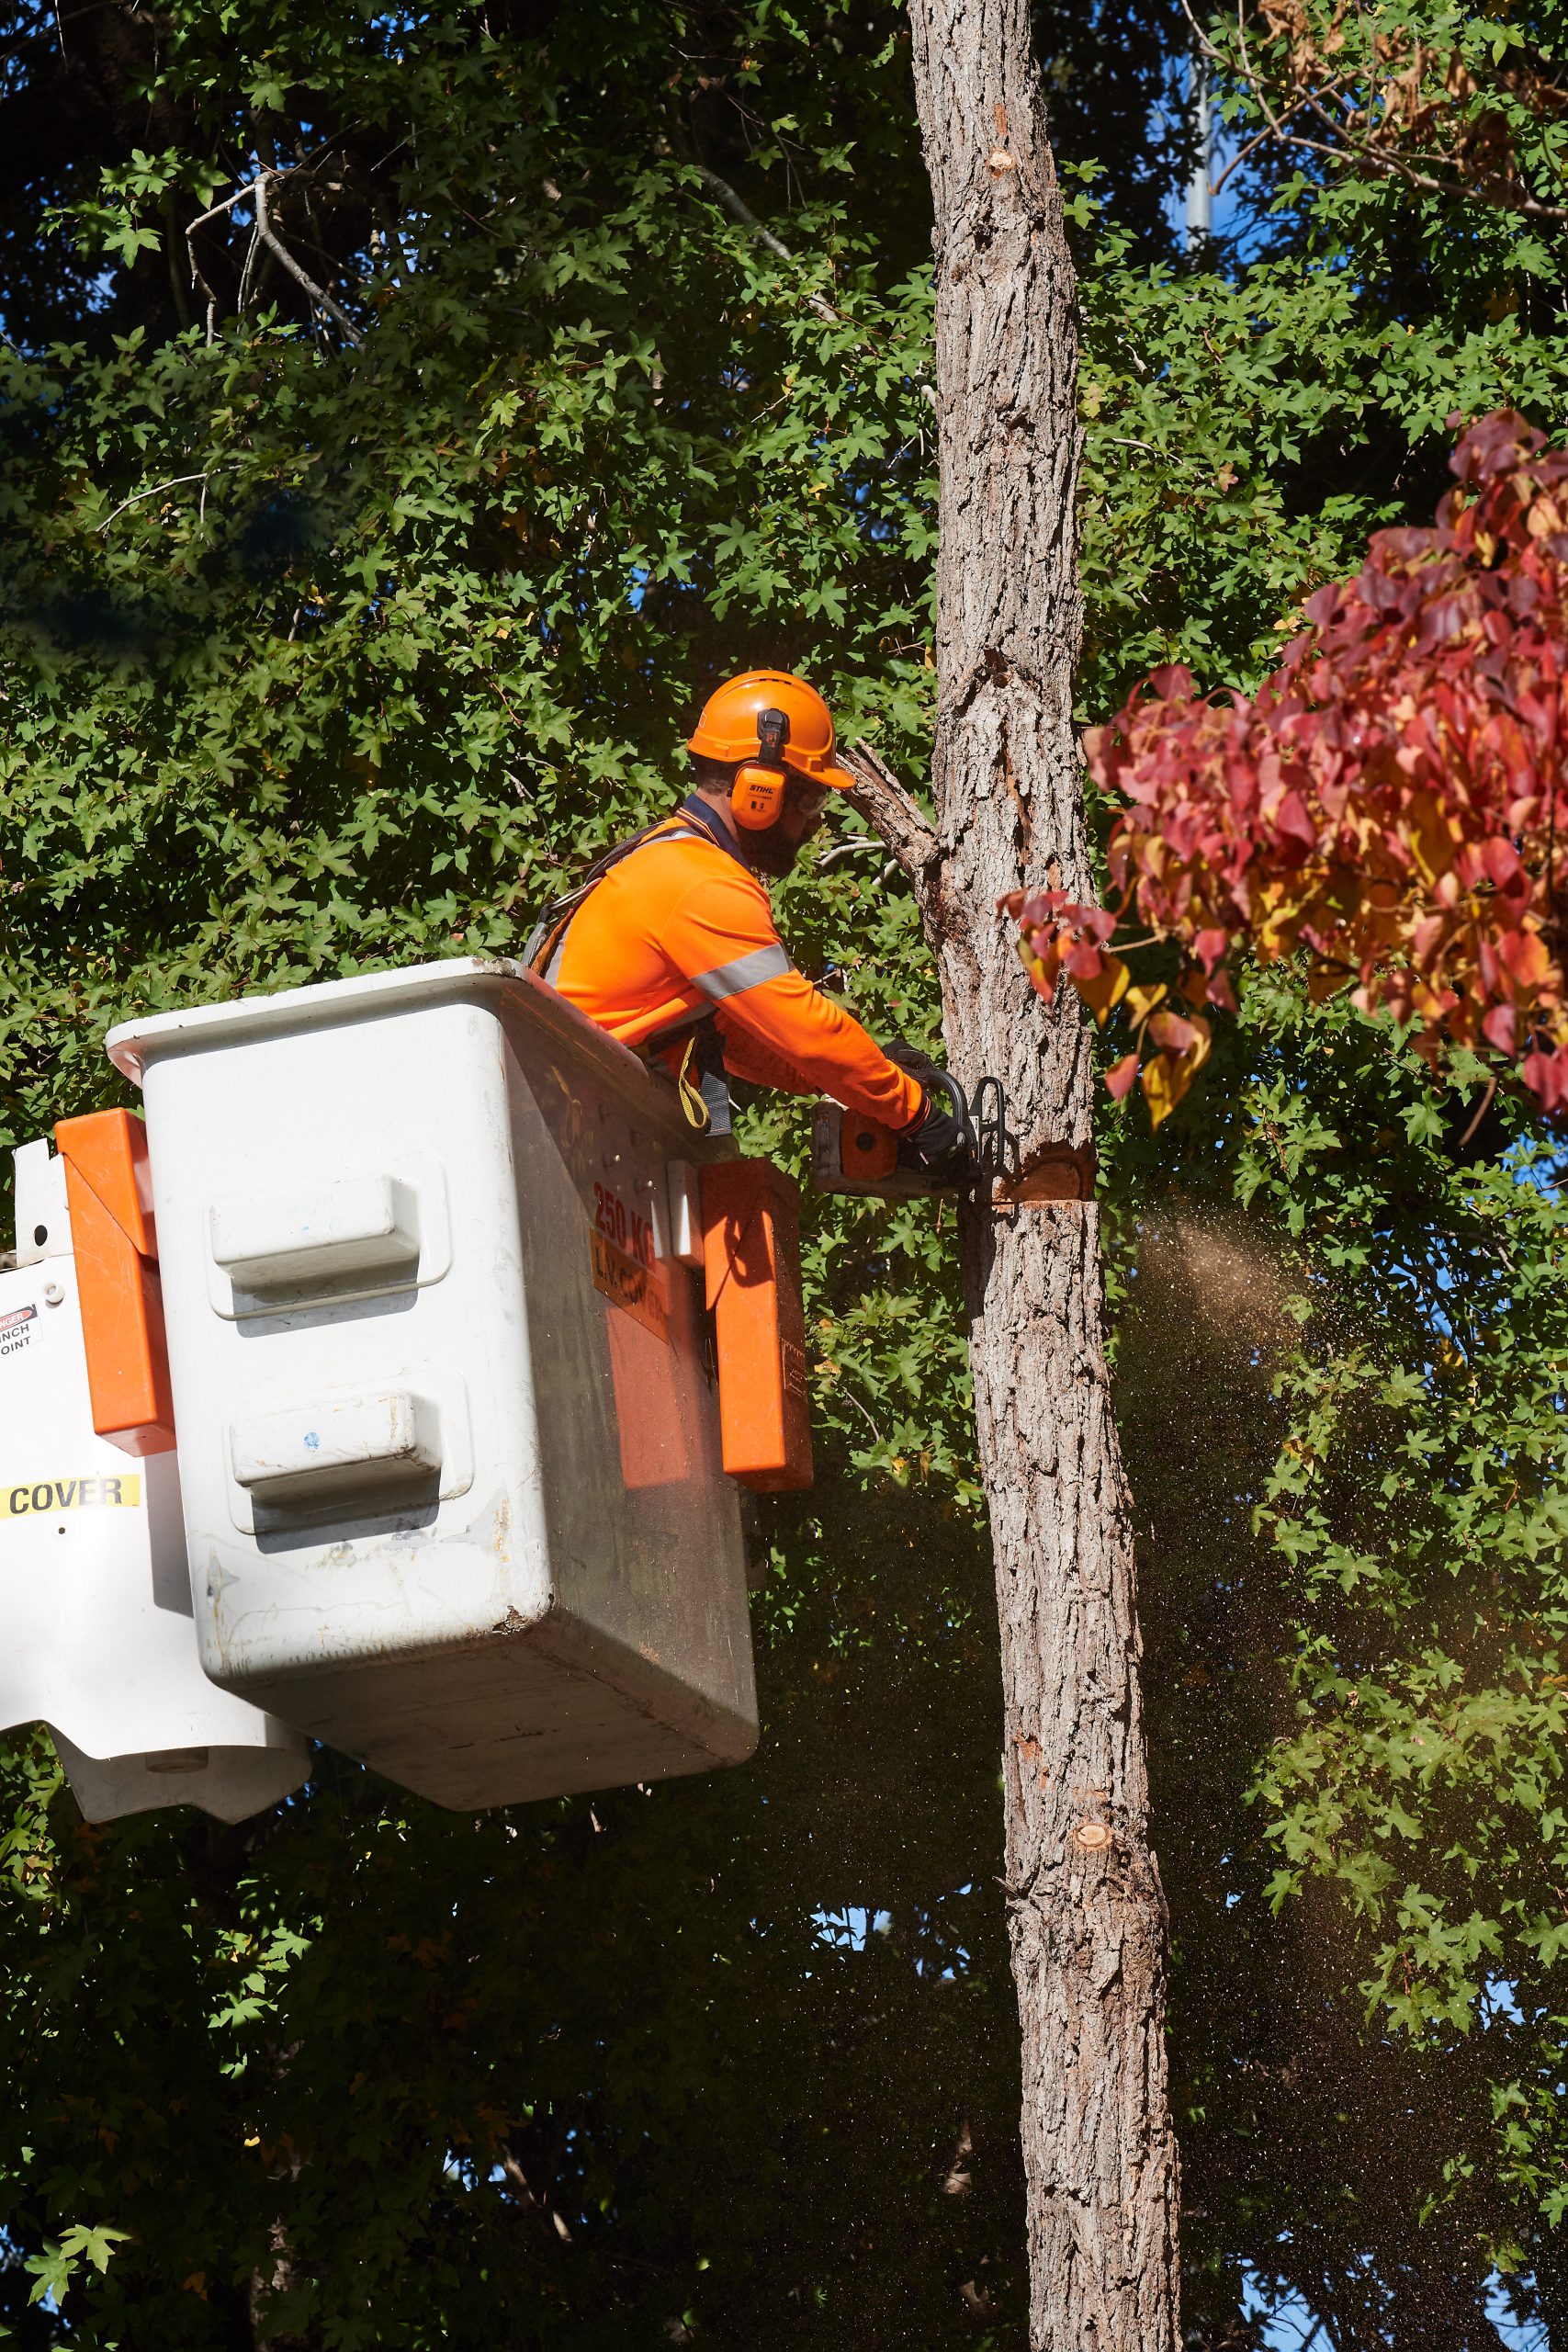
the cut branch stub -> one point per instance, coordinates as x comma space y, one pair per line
896, 816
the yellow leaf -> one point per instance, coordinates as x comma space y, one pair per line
1140, 1002
1165, 1078
1431, 843
1106, 989
1161, 1085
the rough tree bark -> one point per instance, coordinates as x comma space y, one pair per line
1086, 1909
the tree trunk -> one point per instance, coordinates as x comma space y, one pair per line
1085, 1910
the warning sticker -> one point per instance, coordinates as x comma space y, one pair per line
14, 1331
48, 1494
629, 1285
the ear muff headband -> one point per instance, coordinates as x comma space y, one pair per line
758, 793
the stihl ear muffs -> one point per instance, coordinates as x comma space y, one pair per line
758, 793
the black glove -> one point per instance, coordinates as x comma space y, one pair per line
940, 1143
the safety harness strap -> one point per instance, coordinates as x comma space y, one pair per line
691, 821
546, 945
549, 932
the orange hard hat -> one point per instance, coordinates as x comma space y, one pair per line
728, 730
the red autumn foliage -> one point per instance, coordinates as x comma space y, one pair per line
1389, 804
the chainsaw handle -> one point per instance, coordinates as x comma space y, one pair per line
959, 1105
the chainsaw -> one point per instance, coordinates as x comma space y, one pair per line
850, 1153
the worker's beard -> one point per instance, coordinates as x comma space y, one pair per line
770, 852
776, 850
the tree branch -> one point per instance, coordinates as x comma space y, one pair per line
174, 482
264, 233
892, 814
275, 245
739, 209
1488, 187
226, 204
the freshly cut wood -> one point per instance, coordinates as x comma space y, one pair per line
1085, 1910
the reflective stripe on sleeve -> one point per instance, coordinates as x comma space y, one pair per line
743, 973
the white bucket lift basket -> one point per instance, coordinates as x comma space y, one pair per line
96, 1633
449, 1434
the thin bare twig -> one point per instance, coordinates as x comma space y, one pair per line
394, 243
242, 298
845, 1390
1121, 441
739, 209
175, 482
1481, 1109
846, 849
229, 203
1502, 195
1258, 140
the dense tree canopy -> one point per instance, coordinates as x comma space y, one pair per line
339, 621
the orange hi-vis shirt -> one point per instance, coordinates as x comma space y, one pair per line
680, 925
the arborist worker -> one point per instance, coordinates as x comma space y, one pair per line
669, 941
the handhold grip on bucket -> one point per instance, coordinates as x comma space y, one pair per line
751, 1243
108, 1192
